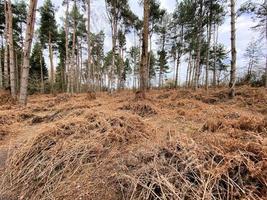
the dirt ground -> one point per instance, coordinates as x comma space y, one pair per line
176, 144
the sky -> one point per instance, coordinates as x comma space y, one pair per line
99, 20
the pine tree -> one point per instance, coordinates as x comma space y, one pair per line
233, 50
27, 50
38, 71
48, 34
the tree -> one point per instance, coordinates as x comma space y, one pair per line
11, 51
48, 33
144, 55
6, 63
27, 50
162, 31
259, 11
38, 71
90, 88
253, 55
233, 51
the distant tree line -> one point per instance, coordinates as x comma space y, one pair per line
188, 35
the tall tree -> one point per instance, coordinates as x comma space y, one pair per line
144, 55
233, 50
38, 71
6, 57
11, 51
89, 79
27, 50
48, 33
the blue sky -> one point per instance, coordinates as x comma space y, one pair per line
100, 22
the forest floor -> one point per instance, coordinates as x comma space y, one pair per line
176, 144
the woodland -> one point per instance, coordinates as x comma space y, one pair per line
156, 106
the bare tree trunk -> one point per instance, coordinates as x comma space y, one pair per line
11, 52
51, 62
67, 70
1, 72
265, 2
208, 49
41, 71
90, 79
6, 63
73, 65
27, 50
199, 34
177, 70
233, 51
188, 70
17, 70
215, 54
144, 58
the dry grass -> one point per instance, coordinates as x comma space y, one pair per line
174, 145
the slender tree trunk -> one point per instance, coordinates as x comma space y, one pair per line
215, 54
27, 50
144, 57
188, 70
233, 50
6, 63
177, 70
51, 62
41, 72
11, 52
208, 49
73, 65
17, 70
265, 2
149, 60
90, 79
67, 70
1, 72
199, 34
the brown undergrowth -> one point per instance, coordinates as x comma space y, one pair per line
174, 145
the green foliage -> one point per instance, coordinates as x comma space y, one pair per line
36, 61
48, 23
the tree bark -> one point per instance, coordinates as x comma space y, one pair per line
27, 51
73, 65
11, 52
41, 71
89, 78
233, 51
1, 72
215, 54
265, 2
199, 34
51, 62
67, 79
208, 50
6, 63
144, 57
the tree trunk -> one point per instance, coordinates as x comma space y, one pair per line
265, 2
188, 70
208, 50
1, 72
11, 52
144, 57
89, 81
215, 54
6, 74
177, 69
41, 71
51, 62
73, 65
233, 51
27, 51
67, 75
199, 34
